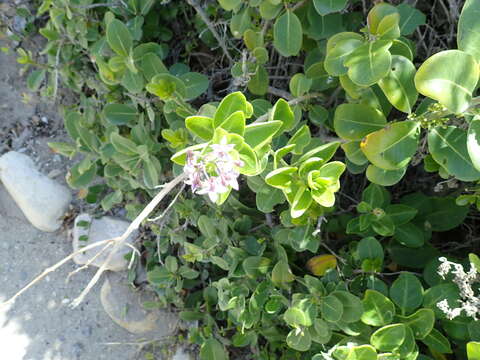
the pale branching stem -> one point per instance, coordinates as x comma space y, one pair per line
119, 241
53, 268
90, 261
205, 19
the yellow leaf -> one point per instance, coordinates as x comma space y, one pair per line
319, 265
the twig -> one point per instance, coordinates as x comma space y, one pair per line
119, 241
204, 17
292, 102
89, 262
280, 93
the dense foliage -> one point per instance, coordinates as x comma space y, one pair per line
315, 256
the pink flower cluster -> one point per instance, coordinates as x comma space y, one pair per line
212, 173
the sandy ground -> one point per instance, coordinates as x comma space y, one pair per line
40, 325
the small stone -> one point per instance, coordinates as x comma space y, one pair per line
124, 305
87, 231
42, 200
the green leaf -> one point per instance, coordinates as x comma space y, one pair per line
120, 114
195, 84
258, 135
376, 196
421, 322
355, 121
240, 23
212, 350
62, 148
473, 142
450, 78
389, 338
399, 86
255, 266
400, 213
437, 293
370, 248
201, 126
377, 14
301, 202
300, 139
410, 18
445, 214
152, 65
231, 103
295, 317
352, 306
384, 177
448, 147
331, 308
281, 111
281, 273
473, 350
287, 34
235, 123
370, 62
299, 340
166, 86
392, 148
35, 79
281, 178
407, 293
123, 145
336, 55
409, 235
325, 7
354, 153
229, 4
468, 35
299, 84
435, 340
258, 84
378, 309
150, 174
133, 82
119, 38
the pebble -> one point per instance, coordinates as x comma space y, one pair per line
124, 306
43, 201
98, 230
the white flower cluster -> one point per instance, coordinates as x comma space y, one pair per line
213, 173
469, 302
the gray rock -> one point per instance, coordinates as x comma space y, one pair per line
98, 230
181, 354
42, 200
124, 305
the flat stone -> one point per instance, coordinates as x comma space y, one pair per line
124, 305
42, 200
87, 231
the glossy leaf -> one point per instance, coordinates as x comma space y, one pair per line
287, 34
435, 340
378, 309
399, 86
336, 55
384, 177
448, 147
392, 147
331, 308
120, 114
407, 293
389, 338
473, 142
119, 38
212, 349
355, 121
201, 126
421, 322
473, 350
231, 103
468, 35
325, 7
450, 78
410, 18
369, 63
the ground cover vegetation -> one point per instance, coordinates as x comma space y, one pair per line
327, 156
